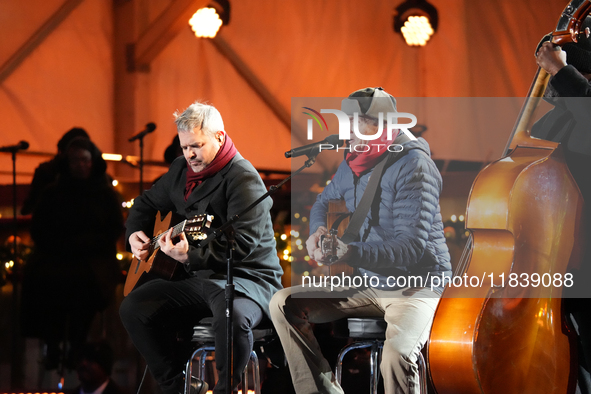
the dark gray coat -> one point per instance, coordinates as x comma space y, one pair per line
257, 272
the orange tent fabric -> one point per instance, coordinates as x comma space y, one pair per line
294, 48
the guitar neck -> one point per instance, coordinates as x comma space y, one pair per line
176, 231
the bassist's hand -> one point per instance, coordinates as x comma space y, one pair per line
178, 251
551, 58
140, 245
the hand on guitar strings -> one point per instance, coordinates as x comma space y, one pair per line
314, 246
179, 250
551, 57
140, 245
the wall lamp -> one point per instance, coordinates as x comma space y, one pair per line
206, 22
416, 20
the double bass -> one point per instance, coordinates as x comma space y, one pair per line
524, 217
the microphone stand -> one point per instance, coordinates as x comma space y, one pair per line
14, 211
150, 127
141, 163
140, 137
228, 231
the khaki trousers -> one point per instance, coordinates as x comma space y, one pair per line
408, 313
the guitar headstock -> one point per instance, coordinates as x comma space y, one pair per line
196, 227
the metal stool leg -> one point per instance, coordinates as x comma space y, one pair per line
202, 359
422, 374
256, 372
354, 345
245, 379
375, 359
254, 359
374, 367
189, 370
201, 354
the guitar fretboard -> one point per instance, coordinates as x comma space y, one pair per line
176, 230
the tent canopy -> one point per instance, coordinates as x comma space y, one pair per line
113, 66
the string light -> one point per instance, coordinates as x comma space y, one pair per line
112, 157
127, 204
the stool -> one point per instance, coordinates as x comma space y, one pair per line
370, 333
204, 335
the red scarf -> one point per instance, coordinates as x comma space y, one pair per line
226, 152
360, 162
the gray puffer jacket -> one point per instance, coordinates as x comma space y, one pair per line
403, 233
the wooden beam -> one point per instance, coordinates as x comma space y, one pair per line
163, 29
124, 83
256, 84
37, 38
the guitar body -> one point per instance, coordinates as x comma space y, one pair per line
159, 264
336, 210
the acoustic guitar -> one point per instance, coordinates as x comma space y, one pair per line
159, 264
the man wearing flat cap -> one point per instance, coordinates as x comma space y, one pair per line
400, 235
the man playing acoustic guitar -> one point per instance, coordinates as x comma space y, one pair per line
401, 235
212, 178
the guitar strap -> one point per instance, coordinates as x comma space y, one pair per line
369, 195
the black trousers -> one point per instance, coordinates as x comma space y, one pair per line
154, 314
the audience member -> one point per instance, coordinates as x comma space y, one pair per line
73, 271
47, 171
94, 368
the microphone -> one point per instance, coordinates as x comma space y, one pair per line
13, 148
329, 143
149, 128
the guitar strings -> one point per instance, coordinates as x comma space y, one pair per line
176, 230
